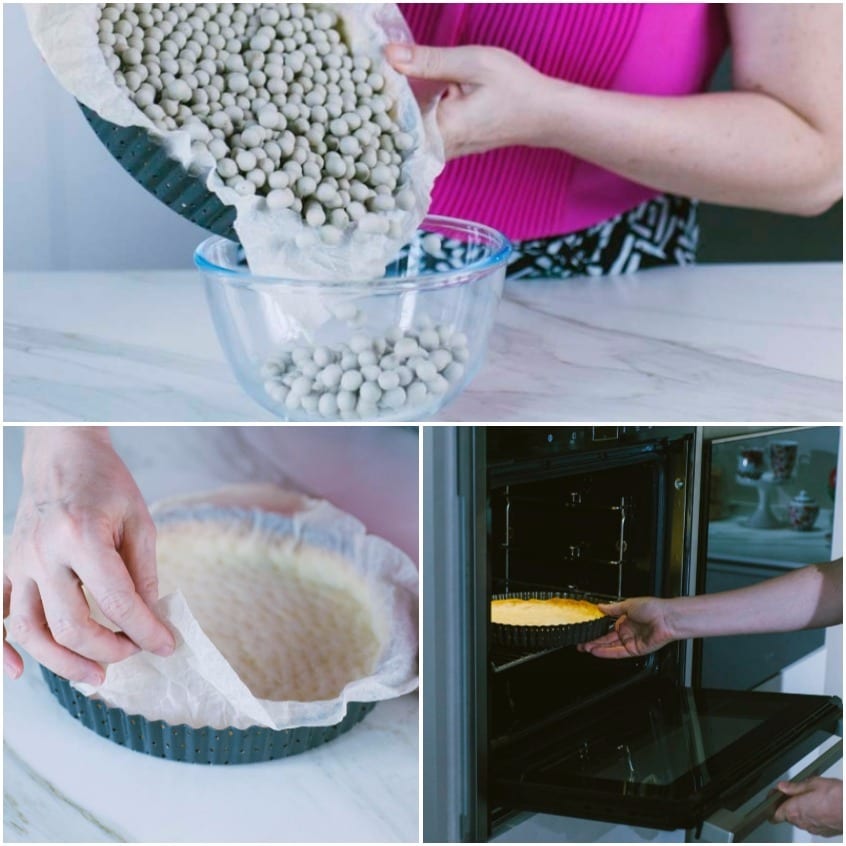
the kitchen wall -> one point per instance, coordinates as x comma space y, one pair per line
68, 205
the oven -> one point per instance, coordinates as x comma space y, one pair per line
600, 512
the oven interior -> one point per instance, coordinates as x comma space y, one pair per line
622, 741
598, 532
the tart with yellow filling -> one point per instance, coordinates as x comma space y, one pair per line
556, 611
544, 620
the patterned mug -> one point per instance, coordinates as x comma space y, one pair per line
783, 459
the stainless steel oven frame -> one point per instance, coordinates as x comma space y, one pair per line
457, 804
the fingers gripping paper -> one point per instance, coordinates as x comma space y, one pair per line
280, 620
277, 241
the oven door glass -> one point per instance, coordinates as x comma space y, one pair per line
662, 756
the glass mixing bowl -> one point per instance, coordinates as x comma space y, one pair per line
396, 348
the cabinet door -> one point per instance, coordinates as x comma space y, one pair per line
749, 537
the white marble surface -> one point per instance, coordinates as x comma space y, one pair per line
716, 343
63, 783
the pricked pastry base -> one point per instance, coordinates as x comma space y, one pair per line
292, 619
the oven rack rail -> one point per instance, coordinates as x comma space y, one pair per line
590, 560
503, 659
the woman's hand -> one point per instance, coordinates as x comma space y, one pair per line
815, 805
491, 97
81, 521
643, 626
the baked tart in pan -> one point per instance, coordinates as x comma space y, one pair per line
545, 619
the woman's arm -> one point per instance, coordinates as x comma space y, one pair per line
774, 142
808, 598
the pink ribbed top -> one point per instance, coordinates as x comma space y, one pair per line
659, 49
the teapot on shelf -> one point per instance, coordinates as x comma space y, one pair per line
803, 511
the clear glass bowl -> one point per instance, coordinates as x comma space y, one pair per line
296, 346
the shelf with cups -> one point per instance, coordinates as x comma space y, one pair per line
802, 510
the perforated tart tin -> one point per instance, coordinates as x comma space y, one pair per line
547, 637
196, 745
148, 162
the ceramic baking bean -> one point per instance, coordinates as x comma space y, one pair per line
416, 393
371, 372
328, 405
388, 379
405, 375
331, 375
346, 401
438, 385
394, 398
454, 371
441, 358
425, 370
370, 392
351, 380
405, 348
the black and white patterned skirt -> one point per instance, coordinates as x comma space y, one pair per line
660, 232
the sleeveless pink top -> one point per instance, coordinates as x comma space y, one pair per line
658, 49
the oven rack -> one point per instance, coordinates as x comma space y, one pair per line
576, 503
582, 559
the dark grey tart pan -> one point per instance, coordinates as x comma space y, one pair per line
548, 637
196, 745
148, 162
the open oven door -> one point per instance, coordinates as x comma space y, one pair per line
671, 757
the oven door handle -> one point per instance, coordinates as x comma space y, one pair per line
727, 826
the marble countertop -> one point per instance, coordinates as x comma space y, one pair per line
715, 342
63, 783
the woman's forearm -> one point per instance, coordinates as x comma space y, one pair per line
803, 599
739, 148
